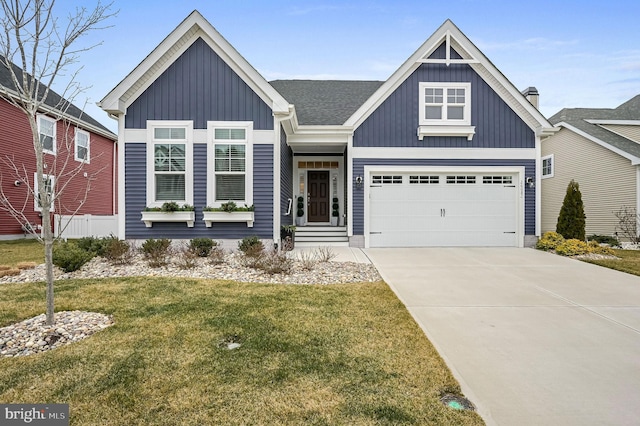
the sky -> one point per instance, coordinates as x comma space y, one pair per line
576, 53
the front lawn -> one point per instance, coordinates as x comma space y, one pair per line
325, 355
15, 251
629, 261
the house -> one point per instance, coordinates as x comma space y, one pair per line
443, 153
78, 151
600, 149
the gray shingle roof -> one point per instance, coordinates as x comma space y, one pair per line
577, 117
53, 100
325, 102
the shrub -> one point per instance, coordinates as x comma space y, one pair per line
156, 251
627, 225
9, 272
187, 258
202, 246
69, 257
26, 265
216, 257
117, 251
251, 245
572, 247
324, 254
595, 247
306, 259
605, 239
571, 221
275, 262
549, 241
91, 244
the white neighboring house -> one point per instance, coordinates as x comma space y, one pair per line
599, 149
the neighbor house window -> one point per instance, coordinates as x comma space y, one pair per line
169, 163
47, 130
445, 103
230, 166
49, 184
547, 166
82, 146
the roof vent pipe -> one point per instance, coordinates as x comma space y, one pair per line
532, 95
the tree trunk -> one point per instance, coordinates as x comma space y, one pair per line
47, 235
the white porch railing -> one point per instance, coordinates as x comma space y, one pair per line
86, 225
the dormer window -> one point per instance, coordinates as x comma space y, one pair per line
445, 110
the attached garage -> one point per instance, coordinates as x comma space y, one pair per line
431, 208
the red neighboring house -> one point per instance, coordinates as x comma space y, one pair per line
79, 151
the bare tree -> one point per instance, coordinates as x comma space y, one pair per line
38, 49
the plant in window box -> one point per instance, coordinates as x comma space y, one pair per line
335, 213
228, 212
170, 211
300, 213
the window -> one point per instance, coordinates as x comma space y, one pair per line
49, 183
445, 103
461, 179
424, 180
169, 163
386, 179
82, 146
47, 130
547, 166
501, 180
230, 164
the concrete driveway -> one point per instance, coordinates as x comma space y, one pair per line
533, 338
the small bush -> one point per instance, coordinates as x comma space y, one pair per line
549, 241
91, 244
251, 246
275, 262
324, 254
596, 248
156, 251
306, 259
216, 256
117, 251
571, 220
572, 247
605, 239
187, 258
5, 267
202, 246
69, 257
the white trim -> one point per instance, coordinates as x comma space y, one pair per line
376, 169
553, 166
188, 172
448, 153
36, 191
619, 122
446, 130
350, 179
249, 169
77, 132
634, 160
275, 135
122, 223
55, 133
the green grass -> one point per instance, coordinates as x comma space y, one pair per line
12, 252
629, 261
313, 355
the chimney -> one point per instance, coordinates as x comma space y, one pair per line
531, 93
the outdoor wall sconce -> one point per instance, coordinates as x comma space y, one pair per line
358, 181
530, 182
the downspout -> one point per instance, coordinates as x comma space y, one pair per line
277, 156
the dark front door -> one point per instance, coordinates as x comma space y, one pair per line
318, 196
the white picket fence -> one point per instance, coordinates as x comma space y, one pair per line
86, 225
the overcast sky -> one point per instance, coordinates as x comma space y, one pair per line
577, 53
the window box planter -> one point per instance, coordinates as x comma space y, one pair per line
210, 217
188, 217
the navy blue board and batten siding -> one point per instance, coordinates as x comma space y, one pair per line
395, 122
199, 86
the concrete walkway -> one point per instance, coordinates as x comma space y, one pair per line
533, 338
343, 254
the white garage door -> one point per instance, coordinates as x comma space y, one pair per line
443, 209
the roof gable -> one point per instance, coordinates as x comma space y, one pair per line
195, 26
458, 49
592, 124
